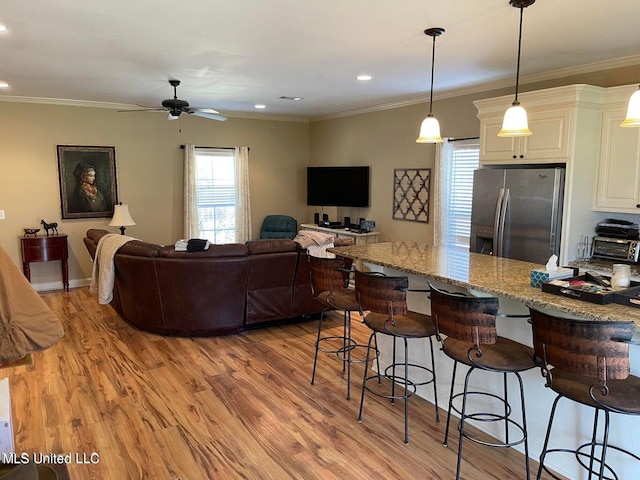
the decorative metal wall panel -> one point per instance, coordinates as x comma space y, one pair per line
411, 188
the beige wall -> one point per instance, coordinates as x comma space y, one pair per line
149, 171
386, 140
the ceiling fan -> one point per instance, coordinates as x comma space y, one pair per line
176, 107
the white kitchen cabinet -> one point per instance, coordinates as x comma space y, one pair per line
618, 180
550, 143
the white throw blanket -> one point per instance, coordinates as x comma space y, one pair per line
316, 243
104, 273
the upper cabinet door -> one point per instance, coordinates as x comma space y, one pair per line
550, 143
618, 182
551, 138
494, 148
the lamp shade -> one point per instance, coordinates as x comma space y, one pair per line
121, 217
633, 111
429, 131
515, 123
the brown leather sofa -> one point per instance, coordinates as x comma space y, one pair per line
220, 291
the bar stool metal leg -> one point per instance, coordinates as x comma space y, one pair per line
317, 346
453, 382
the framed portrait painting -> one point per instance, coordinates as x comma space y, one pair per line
87, 181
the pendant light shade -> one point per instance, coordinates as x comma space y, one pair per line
430, 128
515, 122
633, 111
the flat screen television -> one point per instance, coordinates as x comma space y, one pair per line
338, 186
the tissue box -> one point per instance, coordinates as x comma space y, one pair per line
540, 275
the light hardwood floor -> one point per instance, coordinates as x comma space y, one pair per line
234, 407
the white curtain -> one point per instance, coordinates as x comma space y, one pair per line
444, 152
191, 226
243, 205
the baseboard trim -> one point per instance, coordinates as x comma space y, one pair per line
48, 286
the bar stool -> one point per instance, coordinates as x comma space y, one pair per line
587, 361
385, 298
469, 324
329, 282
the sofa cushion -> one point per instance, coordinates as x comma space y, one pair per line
257, 247
96, 234
214, 251
140, 249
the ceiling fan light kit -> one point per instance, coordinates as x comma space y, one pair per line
430, 127
515, 122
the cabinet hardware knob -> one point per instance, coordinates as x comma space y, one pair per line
515, 156
637, 205
521, 156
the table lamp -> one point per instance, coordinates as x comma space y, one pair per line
121, 217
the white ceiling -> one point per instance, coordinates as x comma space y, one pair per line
232, 54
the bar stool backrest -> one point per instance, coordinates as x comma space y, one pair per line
328, 274
465, 318
379, 293
591, 348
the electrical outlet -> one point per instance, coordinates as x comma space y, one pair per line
1, 214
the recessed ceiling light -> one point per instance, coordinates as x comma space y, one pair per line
293, 99
4, 85
364, 78
260, 105
3, 28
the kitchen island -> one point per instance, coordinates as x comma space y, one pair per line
509, 280
502, 277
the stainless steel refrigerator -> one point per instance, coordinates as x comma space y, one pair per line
517, 212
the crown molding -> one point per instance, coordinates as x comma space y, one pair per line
493, 85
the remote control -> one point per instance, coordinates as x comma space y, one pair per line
597, 278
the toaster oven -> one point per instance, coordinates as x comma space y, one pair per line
616, 249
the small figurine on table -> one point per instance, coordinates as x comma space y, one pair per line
50, 226
31, 232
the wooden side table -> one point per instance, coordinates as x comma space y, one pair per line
46, 249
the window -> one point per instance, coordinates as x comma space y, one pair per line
460, 161
217, 194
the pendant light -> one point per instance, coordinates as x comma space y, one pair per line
430, 128
633, 111
515, 122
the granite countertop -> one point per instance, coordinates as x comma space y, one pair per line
497, 276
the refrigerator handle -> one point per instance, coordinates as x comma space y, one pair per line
497, 238
503, 216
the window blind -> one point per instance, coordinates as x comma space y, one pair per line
465, 159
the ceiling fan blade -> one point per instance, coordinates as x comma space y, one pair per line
200, 113
144, 109
204, 110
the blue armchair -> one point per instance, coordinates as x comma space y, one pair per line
279, 226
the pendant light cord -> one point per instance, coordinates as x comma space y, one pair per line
519, 48
433, 62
